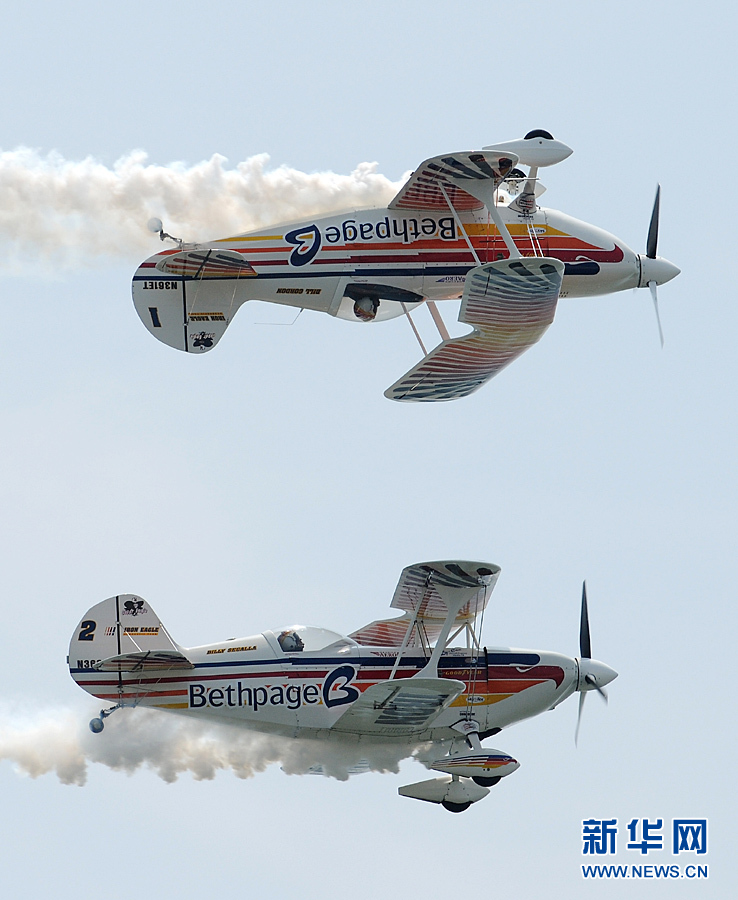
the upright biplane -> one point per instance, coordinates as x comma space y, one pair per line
397, 682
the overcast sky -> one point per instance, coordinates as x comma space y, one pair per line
270, 482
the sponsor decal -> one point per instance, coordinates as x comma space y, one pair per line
391, 229
293, 696
307, 243
203, 340
336, 690
133, 608
139, 631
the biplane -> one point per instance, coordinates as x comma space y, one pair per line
465, 225
399, 682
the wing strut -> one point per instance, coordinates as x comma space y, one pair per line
454, 597
412, 325
440, 325
459, 224
404, 644
485, 191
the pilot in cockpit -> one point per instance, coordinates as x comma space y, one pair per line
290, 641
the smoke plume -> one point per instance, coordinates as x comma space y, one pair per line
61, 742
60, 213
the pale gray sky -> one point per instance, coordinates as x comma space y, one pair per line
271, 482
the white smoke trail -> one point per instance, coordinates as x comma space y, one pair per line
61, 742
60, 213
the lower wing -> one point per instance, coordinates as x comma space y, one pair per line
510, 303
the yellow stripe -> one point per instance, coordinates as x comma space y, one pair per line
260, 237
522, 230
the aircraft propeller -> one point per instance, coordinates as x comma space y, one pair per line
593, 675
654, 269
651, 244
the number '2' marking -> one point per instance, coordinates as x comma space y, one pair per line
87, 631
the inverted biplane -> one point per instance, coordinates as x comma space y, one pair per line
465, 225
396, 682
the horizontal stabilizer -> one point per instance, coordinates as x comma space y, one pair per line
404, 706
148, 660
208, 263
510, 303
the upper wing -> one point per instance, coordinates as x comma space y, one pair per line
422, 587
510, 303
404, 706
423, 189
420, 593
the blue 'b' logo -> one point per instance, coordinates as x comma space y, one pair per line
307, 244
342, 691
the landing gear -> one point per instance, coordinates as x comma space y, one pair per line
486, 782
455, 807
97, 725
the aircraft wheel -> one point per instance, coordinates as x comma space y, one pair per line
96, 725
455, 807
486, 782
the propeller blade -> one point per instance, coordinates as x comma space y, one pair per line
585, 645
582, 698
600, 690
653, 229
654, 294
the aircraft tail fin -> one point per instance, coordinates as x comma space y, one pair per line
188, 298
124, 635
